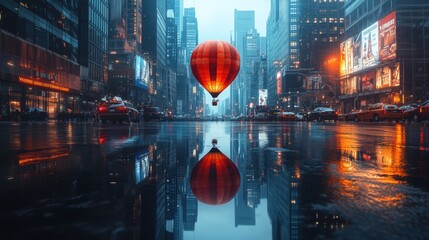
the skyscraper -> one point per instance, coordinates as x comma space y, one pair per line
128, 69
251, 56
395, 71
243, 22
154, 46
39, 47
279, 30
301, 35
93, 49
189, 42
172, 56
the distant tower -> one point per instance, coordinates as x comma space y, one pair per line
243, 22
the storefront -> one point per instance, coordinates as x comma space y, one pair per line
31, 76
17, 96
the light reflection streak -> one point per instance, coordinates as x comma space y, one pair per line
369, 175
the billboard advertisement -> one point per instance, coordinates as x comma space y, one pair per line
346, 57
263, 94
388, 76
369, 48
387, 37
368, 82
374, 44
141, 73
279, 83
357, 59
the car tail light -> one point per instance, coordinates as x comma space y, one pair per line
102, 109
121, 109
421, 109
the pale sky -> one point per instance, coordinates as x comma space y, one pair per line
216, 17
216, 21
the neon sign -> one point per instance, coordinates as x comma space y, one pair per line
43, 84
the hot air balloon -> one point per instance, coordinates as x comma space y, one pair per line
215, 64
215, 179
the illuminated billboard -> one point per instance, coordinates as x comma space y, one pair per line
346, 57
366, 49
141, 73
279, 83
369, 48
387, 76
368, 82
387, 37
263, 94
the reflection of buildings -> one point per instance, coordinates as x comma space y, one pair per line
283, 202
188, 149
383, 57
240, 152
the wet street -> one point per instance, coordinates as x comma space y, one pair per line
295, 180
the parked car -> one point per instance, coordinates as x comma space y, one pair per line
410, 112
422, 112
322, 114
118, 110
381, 111
153, 114
274, 115
34, 114
260, 116
288, 116
353, 115
301, 116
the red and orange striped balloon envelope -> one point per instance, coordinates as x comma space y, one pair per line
215, 64
215, 179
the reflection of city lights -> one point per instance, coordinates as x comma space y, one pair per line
30, 160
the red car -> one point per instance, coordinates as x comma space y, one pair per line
118, 110
422, 112
380, 111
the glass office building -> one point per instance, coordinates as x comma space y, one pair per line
38, 59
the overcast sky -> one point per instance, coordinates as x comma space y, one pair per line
216, 17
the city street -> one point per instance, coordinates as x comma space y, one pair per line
302, 180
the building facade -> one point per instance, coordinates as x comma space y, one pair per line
251, 56
277, 48
384, 53
301, 36
243, 22
39, 59
195, 93
93, 50
172, 55
128, 69
154, 46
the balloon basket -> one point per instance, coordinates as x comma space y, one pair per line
214, 102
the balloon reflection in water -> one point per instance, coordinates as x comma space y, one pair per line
215, 179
